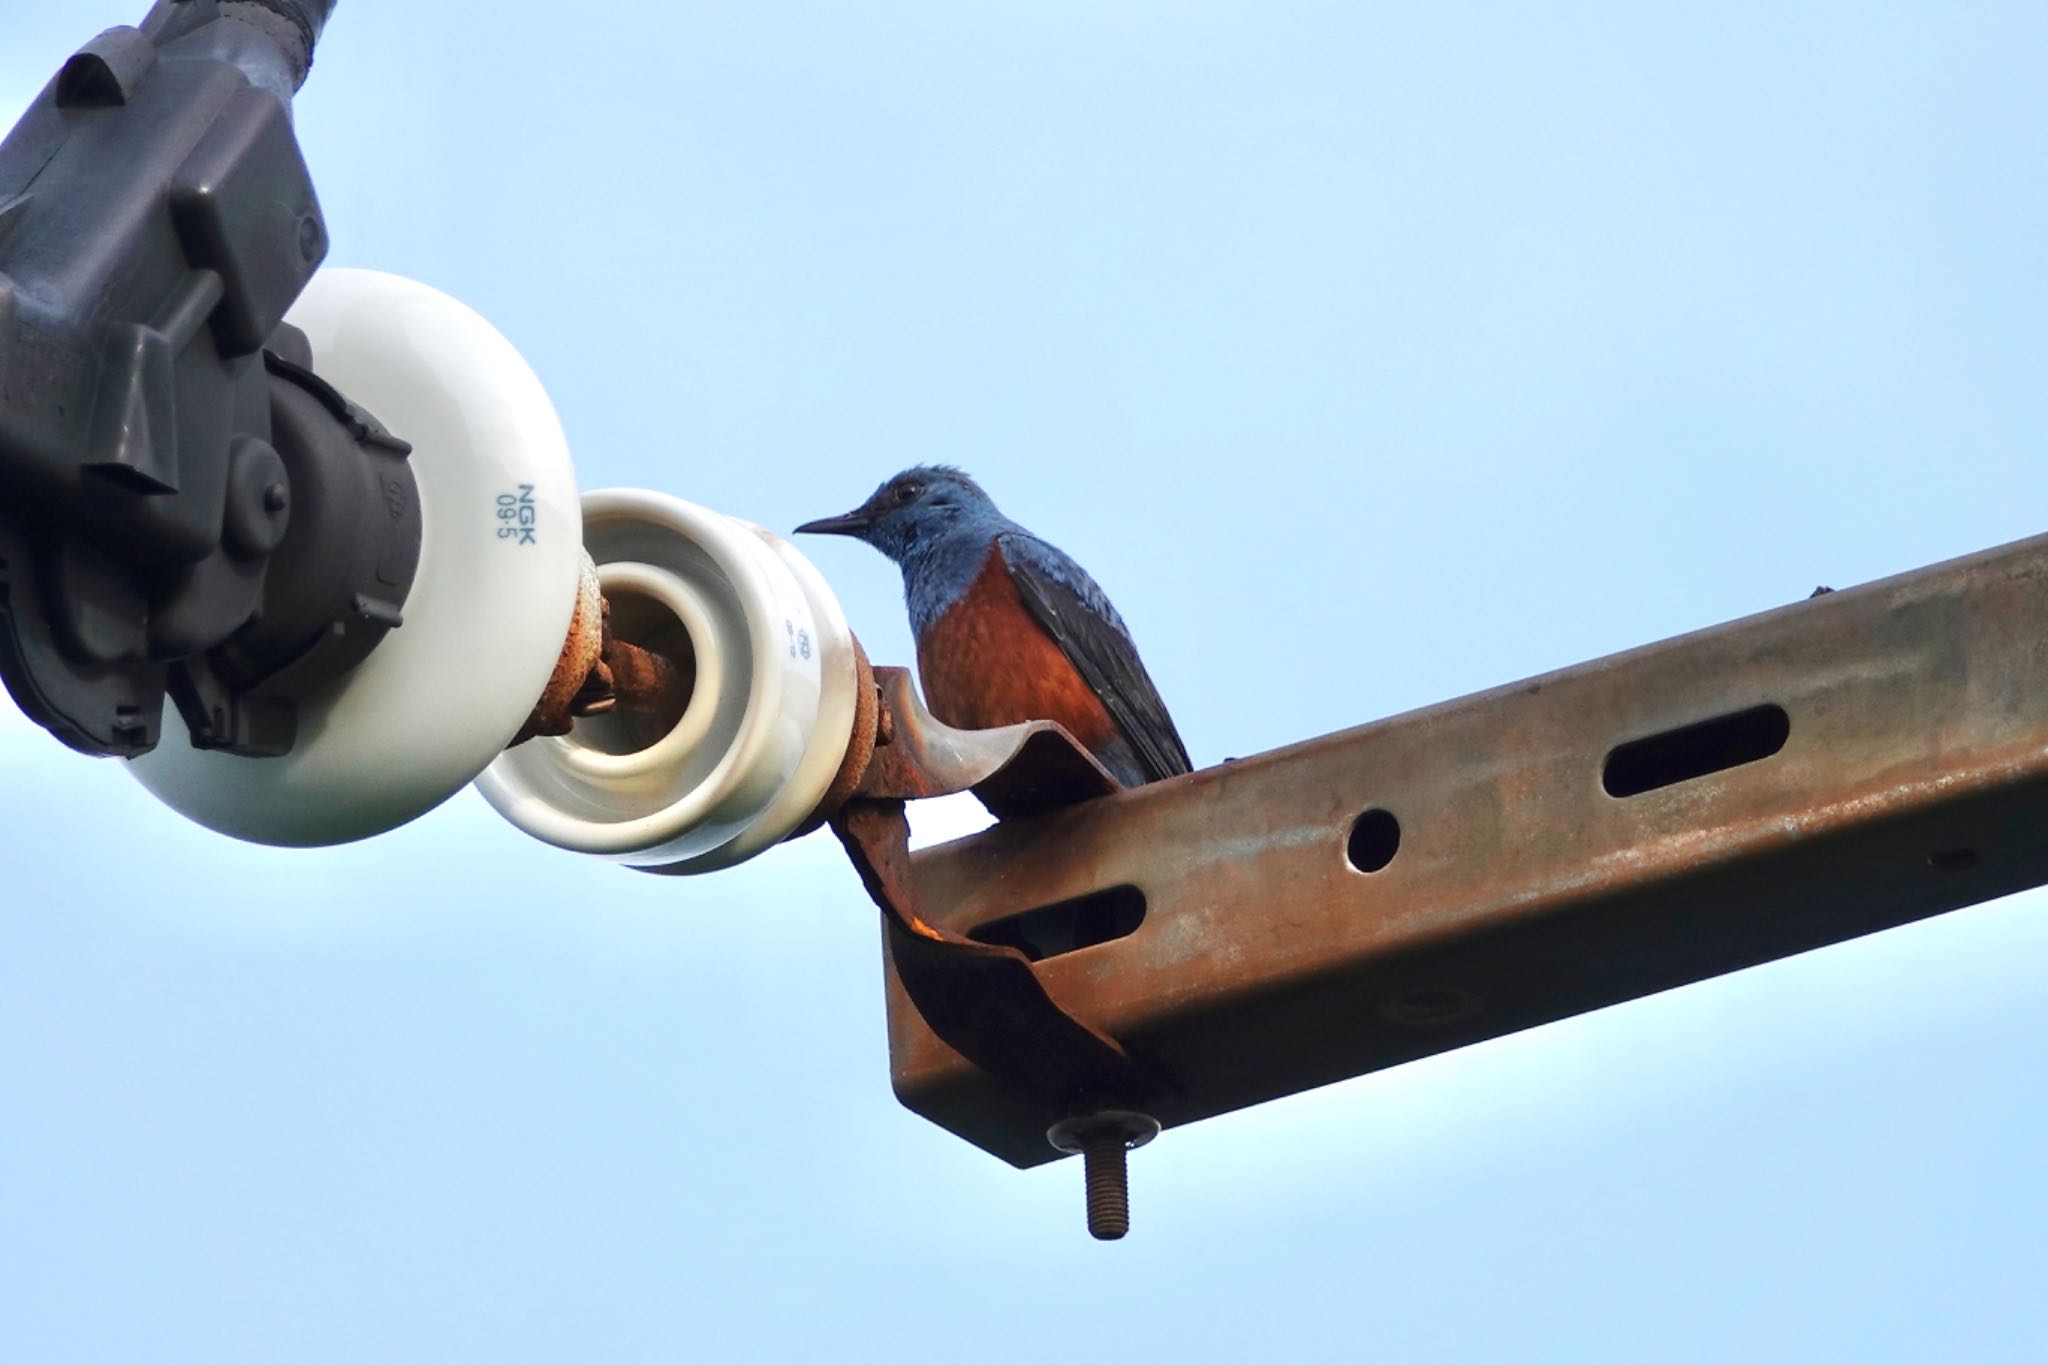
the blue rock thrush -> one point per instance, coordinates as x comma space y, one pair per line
1008, 628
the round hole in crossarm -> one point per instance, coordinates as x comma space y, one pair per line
627, 728
1375, 839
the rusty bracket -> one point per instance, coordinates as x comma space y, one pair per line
985, 1001
1828, 769
1017, 770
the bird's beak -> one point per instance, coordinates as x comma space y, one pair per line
854, 523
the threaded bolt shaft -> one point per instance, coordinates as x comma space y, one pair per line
1102, 1138
1109, 1192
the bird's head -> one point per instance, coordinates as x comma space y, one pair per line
915, 508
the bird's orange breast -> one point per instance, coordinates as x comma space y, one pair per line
986, 662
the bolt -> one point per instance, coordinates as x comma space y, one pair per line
1109, 1189
1102, 1139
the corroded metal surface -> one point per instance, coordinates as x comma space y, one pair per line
644, 682
984, 1000
1912, 778
860, 745
597, 672
575, 668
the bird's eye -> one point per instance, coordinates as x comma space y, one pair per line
907, 492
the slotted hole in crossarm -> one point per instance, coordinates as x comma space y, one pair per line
1067, 926
1690, 751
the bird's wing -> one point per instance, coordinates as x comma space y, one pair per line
1064, 599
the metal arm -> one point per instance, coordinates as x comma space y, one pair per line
1832, 768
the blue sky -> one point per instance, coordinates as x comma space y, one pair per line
1369, 356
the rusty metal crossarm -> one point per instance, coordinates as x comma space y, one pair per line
1772, 785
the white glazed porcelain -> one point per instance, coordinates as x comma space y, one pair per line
767, 724
441, 695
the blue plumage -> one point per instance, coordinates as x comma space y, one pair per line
941, 529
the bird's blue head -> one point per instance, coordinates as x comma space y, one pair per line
913, 512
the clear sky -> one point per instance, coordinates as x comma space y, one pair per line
1369, 355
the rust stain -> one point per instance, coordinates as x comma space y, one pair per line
597, 672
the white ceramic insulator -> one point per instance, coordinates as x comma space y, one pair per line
500, 557
767, 724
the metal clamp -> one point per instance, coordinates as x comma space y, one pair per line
983, 1000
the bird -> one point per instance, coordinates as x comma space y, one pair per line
1009, 628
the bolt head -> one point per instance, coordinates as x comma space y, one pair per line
1073, 1134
